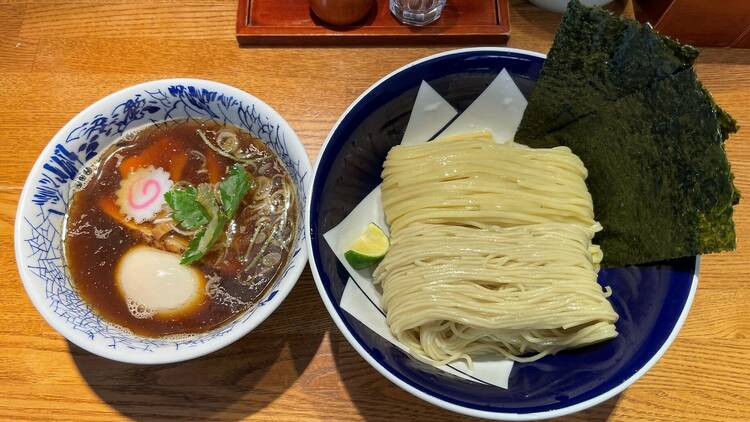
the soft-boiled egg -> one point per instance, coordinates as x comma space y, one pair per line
153, 282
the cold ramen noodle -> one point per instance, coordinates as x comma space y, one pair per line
180, 227
490, 251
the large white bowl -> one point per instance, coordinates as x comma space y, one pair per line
44, 201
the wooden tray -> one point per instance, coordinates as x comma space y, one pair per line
699, 22
273, 22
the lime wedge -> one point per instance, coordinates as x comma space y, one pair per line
369, 248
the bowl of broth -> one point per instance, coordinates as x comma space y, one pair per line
164, 221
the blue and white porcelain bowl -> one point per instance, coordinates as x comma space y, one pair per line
45, 196
652, 300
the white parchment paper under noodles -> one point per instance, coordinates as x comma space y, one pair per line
498, 109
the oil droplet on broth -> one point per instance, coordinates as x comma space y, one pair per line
153, 282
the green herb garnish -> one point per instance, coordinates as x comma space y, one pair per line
207, 209
185, 208
234, 188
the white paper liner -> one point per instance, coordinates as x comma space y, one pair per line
429, 114
498, 109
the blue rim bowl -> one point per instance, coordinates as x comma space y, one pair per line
45, 197
652, 300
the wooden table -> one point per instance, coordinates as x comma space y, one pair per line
55, 59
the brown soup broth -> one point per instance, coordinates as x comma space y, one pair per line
252, 253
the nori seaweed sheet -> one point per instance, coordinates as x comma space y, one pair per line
658, 173
597, 58
627, 101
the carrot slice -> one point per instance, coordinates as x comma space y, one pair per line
212, 164
156, 154
177, 166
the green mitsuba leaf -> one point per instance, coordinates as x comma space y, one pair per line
186, 210
233, 189
203, 240
198, 208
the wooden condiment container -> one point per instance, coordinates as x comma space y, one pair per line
341, 12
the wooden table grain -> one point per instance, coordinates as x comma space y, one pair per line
57, 57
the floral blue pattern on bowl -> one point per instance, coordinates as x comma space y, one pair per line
44, 202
